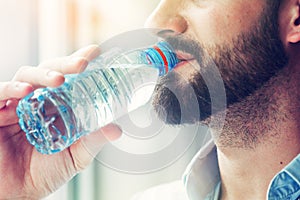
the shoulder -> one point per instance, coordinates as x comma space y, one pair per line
170, 191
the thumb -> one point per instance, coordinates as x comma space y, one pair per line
85, 150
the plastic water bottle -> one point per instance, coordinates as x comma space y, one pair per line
54, 118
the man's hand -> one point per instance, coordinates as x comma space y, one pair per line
24, 172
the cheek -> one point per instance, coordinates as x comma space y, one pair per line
214, 26
203, 25
219, 24
228, 25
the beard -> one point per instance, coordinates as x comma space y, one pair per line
239, 67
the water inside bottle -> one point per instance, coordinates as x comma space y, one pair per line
59, 116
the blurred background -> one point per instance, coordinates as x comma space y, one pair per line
36, 30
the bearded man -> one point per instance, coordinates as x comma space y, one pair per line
251, 46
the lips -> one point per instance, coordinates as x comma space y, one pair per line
183, 55
184, 58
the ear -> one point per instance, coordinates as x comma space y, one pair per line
293, 14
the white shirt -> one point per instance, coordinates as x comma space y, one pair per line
199, 180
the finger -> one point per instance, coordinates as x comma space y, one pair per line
8, 131
90, 52
13, 90
50, 73
12, 129
66, 65
84, 151
75, 63
8, 115
39, 76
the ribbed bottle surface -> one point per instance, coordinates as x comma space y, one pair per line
54, 118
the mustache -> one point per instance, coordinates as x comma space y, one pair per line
181, 43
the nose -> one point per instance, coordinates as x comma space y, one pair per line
167, 16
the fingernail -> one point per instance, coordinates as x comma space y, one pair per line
114, 127
75, 60
112, 131
80, 62
94, 52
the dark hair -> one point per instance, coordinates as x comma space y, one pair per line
274, 4
273, 10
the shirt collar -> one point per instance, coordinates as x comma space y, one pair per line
202, 176
286, 184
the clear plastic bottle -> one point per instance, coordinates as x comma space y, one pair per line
54, 118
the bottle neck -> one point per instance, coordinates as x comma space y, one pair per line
161, 56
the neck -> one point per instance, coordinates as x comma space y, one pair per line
261, 135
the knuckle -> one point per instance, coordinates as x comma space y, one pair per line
5, 90
21, 71
45, 64
6, 87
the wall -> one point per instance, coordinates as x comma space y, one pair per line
18, 36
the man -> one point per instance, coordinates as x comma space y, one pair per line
254, 45
254, 155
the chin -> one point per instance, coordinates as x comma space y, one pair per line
177, 102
